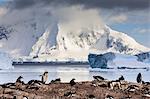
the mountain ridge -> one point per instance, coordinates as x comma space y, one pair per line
40, 33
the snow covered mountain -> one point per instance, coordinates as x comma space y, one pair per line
42, 35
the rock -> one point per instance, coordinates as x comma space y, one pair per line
146, 95
1, 90
8, 91
132, 88
124, 85
91, 96
6, 96
84, 90
143, 56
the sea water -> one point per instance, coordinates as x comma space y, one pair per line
67, 72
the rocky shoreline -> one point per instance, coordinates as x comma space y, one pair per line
96, 89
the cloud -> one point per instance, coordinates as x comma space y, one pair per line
144, 31
118, 18
75, 18
107, 4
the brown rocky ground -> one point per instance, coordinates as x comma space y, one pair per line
81, 90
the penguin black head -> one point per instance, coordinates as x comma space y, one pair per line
73, 79
25, 97
121, 78
14, 97
46, 72
98, 78
72, 82
140, 74
19, 78
91, 96
58, 79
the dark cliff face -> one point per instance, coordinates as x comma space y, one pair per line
143, 56
118, 45
100, 61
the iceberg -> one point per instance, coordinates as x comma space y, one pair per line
116, 60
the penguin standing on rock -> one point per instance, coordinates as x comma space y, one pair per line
19, 79
98, 78
44, 77
58, 80
121, 78
19, 83
139, 78
72, 82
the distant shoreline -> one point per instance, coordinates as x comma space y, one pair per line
50, 63
68, 63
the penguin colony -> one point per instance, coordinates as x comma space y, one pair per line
98, 81
44, 78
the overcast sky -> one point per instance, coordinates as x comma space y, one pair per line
129, 16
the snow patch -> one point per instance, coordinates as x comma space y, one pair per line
122, 60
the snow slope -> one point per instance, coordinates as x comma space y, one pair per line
42, 33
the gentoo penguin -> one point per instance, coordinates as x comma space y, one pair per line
44, 77
33, 82
14, 97
8, 85
19, 79
58, 80
91, 97
139, 78
19, 83
114, 83
108, 96
25, 97
132, 88
121, 78
69, 94
98, 78
72, 82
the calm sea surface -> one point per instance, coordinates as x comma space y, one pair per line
66, 73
